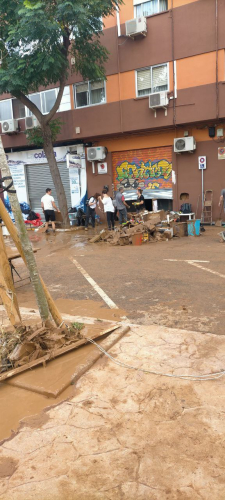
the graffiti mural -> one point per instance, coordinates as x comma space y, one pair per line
150, 169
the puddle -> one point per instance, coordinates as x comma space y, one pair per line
26, 394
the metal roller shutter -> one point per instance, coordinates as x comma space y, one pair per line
39, 178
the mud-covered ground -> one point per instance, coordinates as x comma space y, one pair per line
124, 433
144, 285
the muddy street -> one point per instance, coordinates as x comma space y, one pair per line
151, 284
144, 420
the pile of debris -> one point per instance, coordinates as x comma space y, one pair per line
28, 344
141, 228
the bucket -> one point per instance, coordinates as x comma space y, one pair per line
193, 227
137, 239
72, 218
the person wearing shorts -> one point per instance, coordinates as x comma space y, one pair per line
48, 206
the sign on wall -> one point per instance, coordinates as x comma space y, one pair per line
73, 161
221, 153
202, 162
102, 168
149, 169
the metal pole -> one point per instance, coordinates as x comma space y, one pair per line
202, 194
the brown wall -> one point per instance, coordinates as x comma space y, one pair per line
189, 177
95, 182
193, 105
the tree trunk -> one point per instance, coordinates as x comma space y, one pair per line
49, 152
15, 236
26, 244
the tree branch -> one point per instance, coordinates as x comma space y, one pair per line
62, 82
47, 118
30, 105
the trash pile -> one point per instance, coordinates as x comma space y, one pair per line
142, 228
27, 344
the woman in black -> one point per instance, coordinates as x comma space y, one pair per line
140, 201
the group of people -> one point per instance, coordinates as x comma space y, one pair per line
112, 207
105, 203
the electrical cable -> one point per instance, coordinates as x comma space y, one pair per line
199, 378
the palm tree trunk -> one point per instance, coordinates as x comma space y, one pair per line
26, 244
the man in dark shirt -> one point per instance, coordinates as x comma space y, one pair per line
140, 201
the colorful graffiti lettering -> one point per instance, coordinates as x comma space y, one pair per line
149, 169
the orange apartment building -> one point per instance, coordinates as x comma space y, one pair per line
175, 62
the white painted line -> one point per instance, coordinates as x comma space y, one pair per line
205, 269
181, 260
97, 288
204, 261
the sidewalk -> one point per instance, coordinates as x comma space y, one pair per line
128, 434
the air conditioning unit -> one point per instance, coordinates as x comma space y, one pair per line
9, 126
158, 100
184, 145
31, 122
96, 154
136, 27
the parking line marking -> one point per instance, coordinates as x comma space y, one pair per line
196, 264
205, 269
97, 288
181, 260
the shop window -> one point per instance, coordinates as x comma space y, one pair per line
152, 79
89, 93
19, 110
6, 110
150, 7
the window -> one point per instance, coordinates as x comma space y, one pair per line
46, 100
36, 99
65, 104
153, 79
150, 7
89, 93
19, 110
5, 110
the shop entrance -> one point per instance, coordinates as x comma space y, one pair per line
39, 178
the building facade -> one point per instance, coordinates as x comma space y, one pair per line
181, 55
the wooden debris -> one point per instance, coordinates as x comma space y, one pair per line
54, 354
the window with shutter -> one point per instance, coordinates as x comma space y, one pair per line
159, 78
153, 79
144, 82
89, 93
149, 7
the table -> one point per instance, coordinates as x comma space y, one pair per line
190, 216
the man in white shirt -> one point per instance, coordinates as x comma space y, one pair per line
48, 206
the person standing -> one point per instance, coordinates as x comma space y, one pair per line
222, 199
48, 206
121, 206
91, 206
140, 205
106, 200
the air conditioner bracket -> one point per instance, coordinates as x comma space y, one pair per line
155, 111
